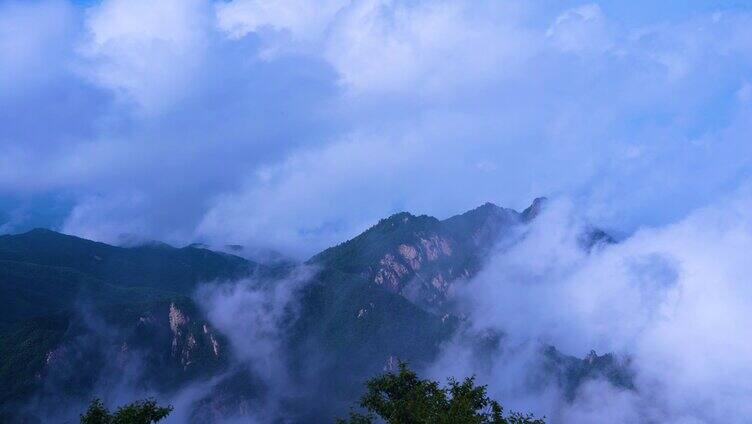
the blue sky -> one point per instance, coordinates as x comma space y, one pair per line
294, 125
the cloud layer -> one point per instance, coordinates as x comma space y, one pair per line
276, 123
674, 299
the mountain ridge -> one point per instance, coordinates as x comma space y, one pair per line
421, 257
373, 300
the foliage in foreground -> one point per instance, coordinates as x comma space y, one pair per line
139, 412
403, 398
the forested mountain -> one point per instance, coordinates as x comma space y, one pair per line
79, 318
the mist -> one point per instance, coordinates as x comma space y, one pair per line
98, 361
104, 357
669, 303
672, 300
255, 316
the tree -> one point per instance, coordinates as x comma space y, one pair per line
403, 398
139, 412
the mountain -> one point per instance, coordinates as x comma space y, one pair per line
420, 257
78, 313
155, 265
163, 344
72, 308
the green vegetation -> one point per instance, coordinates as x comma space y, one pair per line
72, 306
443, 251
47, 278
403, 398
154, 265
355, 326
140, 412
23, 349
358, 254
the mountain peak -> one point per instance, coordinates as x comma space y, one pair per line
534, 209
488, 209
489, 205
399, 217
41, 231
43, 235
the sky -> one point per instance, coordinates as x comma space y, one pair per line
294, 126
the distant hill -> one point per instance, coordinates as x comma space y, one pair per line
155, 265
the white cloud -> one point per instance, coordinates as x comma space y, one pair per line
674, 298
424, 48
256, 315
29, 58
300, 195
119, 226
501, 101
252, 313
582, 29
439, 107
304, 21
557, 102
147, 51
380, 46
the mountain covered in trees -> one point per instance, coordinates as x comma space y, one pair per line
82, 319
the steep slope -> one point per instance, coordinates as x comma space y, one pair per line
374, 300
355, 327
73, 304
62, 358
420, 257
343, 331
44, 272
29, 290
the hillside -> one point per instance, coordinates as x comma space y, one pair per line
78, 312
421, 257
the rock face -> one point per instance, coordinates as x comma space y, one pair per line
164, 344
191, 340
421, 257
571, 372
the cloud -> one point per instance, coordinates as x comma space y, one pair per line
384, 47
292, 194
146, 51
426, 48
29, 58
219, 358
141, 96
624, 109
672, 298
279, 123
169, 120
303, 21
581, 29
252, 314
255, 315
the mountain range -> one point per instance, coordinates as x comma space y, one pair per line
80, 318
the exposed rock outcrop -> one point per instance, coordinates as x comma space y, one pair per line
421, 257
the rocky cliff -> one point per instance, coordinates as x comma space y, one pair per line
421, 257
